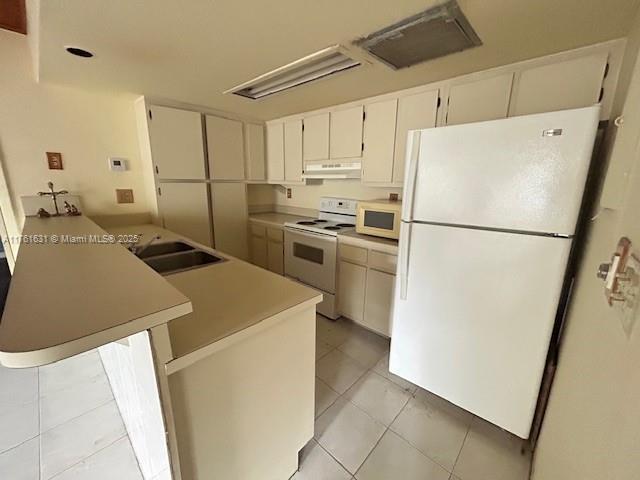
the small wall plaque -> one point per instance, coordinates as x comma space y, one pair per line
124, 195
55, 160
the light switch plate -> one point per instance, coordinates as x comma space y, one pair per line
124, 195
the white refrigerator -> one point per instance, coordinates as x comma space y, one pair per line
488, 219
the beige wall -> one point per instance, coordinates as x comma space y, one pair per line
86, 127
308, 196
592, 426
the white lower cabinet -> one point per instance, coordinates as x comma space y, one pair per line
230, 218
366, 285
379, 300
352, 279
267, 247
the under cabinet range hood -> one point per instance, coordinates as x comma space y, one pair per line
328, 169
436, 32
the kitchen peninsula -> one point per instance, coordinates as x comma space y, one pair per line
230, 346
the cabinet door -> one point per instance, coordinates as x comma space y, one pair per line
414, 112
559, 86
316, 137
177, 146
486, 99
345, 133
378, 301
293, 151
259, 251
275, 152
225, 146
254, 151
379, 142
351, 284
230, 218
184, 208
275, 257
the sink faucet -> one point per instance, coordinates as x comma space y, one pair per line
138, 249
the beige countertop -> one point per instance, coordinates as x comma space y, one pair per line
275, 219
66, 298
227, 297
386, 245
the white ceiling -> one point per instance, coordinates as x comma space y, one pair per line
191, 51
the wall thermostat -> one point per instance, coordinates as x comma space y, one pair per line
117, 164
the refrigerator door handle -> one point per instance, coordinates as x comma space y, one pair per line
403, 249
413, 152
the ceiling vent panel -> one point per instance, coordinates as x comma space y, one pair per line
434, 33
322, 64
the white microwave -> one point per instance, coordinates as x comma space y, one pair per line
380, 218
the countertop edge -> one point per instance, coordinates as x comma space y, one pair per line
45, 356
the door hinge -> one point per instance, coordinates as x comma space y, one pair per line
157, 171
362, 147
439, 102
159, 191
364, 115
601, 95
150, 115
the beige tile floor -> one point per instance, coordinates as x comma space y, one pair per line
61, 422
373, 425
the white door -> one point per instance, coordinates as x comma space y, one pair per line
414, 112
177, 145
230, 218
225, 146
254, 151
486, 99
275, 152
506, 174
345, 133
293, 151
473, 315
184, 208
316, 137
571, 84
379, 142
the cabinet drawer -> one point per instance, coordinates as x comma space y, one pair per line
383, 261
355, 254
275, 235
258, 230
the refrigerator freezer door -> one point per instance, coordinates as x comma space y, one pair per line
522, 173
473, 321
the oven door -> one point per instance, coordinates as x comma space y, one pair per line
311, 258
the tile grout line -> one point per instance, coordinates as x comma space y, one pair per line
460, 452
112, 399
86, 458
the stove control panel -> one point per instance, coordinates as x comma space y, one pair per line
346, 206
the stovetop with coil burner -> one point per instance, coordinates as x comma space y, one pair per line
336, 215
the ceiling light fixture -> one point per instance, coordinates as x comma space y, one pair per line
79, 52
313, 67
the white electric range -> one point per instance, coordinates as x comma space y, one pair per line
311, 246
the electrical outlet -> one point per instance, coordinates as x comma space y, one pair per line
288, 193
124, 195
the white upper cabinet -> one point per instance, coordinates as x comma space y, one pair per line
379, 141
177, 145
275, 152
559, 86
414, 112
316, 137
486, 99
345, 133
293, 151
225, 146
254, 151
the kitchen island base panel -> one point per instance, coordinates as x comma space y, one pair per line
244, 412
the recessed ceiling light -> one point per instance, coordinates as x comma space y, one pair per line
79, 52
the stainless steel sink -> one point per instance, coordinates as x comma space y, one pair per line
156, 249
178, 262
